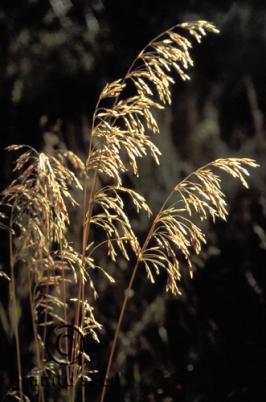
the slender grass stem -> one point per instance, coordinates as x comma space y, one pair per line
14, 303
122, 313
35, 333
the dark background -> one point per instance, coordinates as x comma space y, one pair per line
55, 57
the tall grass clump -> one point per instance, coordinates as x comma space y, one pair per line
37, 209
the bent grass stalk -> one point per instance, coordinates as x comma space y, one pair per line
209, 190
14, 303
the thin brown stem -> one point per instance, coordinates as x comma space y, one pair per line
81, 290
117, 330
66, 321
35, 332
83, 389
122, 312
14, 302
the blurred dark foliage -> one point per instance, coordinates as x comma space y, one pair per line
55, 56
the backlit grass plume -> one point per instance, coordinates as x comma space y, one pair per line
173, 230
60, 287
127, 122
39, 224
121, 129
